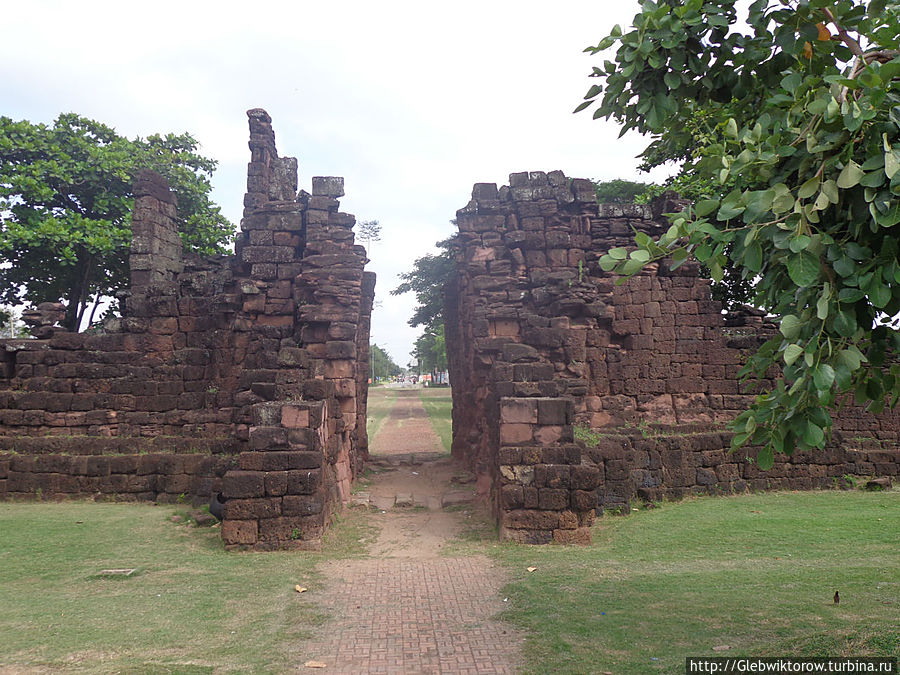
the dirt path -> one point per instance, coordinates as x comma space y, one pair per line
405, 608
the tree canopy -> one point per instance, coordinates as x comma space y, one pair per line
426, 279
65, 207
430, 350
791, 112
620, 191
382, 365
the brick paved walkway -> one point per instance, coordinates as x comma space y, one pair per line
407, 610
406, 429
414, 616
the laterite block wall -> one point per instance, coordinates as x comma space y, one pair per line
540, 340
244, 374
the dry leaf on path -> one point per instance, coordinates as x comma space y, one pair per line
531, 569
299, 588
315, 664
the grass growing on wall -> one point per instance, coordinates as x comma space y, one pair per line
438, 403
190, 607
749, 575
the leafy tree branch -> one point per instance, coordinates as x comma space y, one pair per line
796, 133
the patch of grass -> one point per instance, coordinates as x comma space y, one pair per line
756, 573
586, 435
438, 403
193, 608
380, 402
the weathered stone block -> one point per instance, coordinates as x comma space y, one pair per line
268, 438
552, 475
328, 186
553, 499
530, 519
243, 484
301, 505
515, 434
240, 531
519, 411
251, 509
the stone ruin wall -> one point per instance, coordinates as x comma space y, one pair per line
540, 339
243, 374
246, 374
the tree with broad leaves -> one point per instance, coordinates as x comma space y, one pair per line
65, 208
426, 280
430, 350
791, 111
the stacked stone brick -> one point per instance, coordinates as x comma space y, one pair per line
308, 328
540, 338
517, 359
230, 373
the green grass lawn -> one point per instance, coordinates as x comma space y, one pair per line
439, 404
190, 608
755, 573
380, 402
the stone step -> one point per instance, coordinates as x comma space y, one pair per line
405, 500
405, 459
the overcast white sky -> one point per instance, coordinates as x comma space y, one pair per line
411, 102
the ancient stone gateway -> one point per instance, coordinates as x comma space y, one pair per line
246, 374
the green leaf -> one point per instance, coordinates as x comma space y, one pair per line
783, 203
813, 435
731, 129
809, 188
632, 266
822, 306
618, 253
799, 243
889, 218
764, 458
642, 239
640, 255
803, 268
791, 353
891, 163
753, 256
845, 324
608, 263
790, 326
581, 106
849, 177
879, 295
823, 376
849, 358
705, 207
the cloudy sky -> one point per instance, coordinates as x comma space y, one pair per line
411, 102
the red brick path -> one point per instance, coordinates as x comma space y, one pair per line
406, 429
409, 610
414, 616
